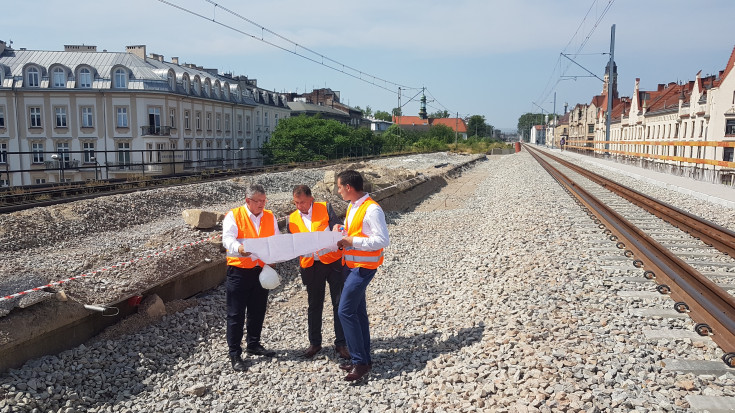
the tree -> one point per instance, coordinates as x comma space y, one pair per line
368, 112
383, 115
441, 133
397, 112
440, 114
310, 138
526, 121
476, 126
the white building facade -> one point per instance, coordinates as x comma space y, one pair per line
81, 114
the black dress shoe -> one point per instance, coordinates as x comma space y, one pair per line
342, 352
359, 374
238, 364
311, 351
259, 350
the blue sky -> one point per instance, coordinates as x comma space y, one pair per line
494, 58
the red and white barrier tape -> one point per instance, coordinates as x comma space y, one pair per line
101, 270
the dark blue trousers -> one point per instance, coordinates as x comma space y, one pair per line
244, 294
353, 313
315, 278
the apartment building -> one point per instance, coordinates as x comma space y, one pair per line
82, 114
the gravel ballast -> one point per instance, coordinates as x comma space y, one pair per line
491, 303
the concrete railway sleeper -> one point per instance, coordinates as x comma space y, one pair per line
708, 305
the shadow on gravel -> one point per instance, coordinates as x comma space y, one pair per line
394, 356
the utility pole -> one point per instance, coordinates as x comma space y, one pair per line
456, 126
609, 89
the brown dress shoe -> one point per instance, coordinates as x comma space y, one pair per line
346, 366
311, 351
342, 352
358, 374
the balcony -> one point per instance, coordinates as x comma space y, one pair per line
151, 130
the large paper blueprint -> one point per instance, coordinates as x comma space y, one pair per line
283, 247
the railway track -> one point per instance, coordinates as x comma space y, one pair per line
690, 259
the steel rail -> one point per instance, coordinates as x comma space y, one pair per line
710, 233
711, 307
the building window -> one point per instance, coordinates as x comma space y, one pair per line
265, 119
59, 77
275, 117
85, 78
209, 121
33, 79
247, 123
62, 148
60, 117
187, 124
2, 116
187, 151
40, 181
87, 117
198, 120
35, 113
4, 183
727, 154
239, 123
172, 117
88, 148
218, 122
730, 127
37, 149
209, 154
227, 122
122, 117
123, 153
3, 152
121, 79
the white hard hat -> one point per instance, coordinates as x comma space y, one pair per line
269, 278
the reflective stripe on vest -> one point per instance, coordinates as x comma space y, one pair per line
319, 222
246, 229
357, 258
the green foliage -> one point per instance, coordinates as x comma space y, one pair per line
442, 133
311, 138
476, 126
526, 121
383, 115
397, 112
440, 114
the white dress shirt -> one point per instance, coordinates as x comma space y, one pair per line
229, 230
373, 225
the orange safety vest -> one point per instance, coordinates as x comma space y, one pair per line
319, 222
356, 258
246, 229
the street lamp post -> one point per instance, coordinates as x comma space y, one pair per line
93, 159
60, 160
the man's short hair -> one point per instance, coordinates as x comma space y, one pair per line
352, 178
301, 190
254, 189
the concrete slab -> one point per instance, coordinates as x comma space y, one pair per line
711, 264
667, 333
711, 404
656, 312
715, 367
628, 268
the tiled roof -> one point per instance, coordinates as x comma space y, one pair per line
457, 124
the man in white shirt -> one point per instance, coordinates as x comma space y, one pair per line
244, 291
366, 236
318, 269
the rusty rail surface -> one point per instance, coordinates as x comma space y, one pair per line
709, 306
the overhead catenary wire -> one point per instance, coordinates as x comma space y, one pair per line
345, 69
562, 69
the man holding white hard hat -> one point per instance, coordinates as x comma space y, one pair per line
243, 284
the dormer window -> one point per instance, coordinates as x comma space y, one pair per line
33, 78
120, 80
59, 77
197, 86
85, 78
